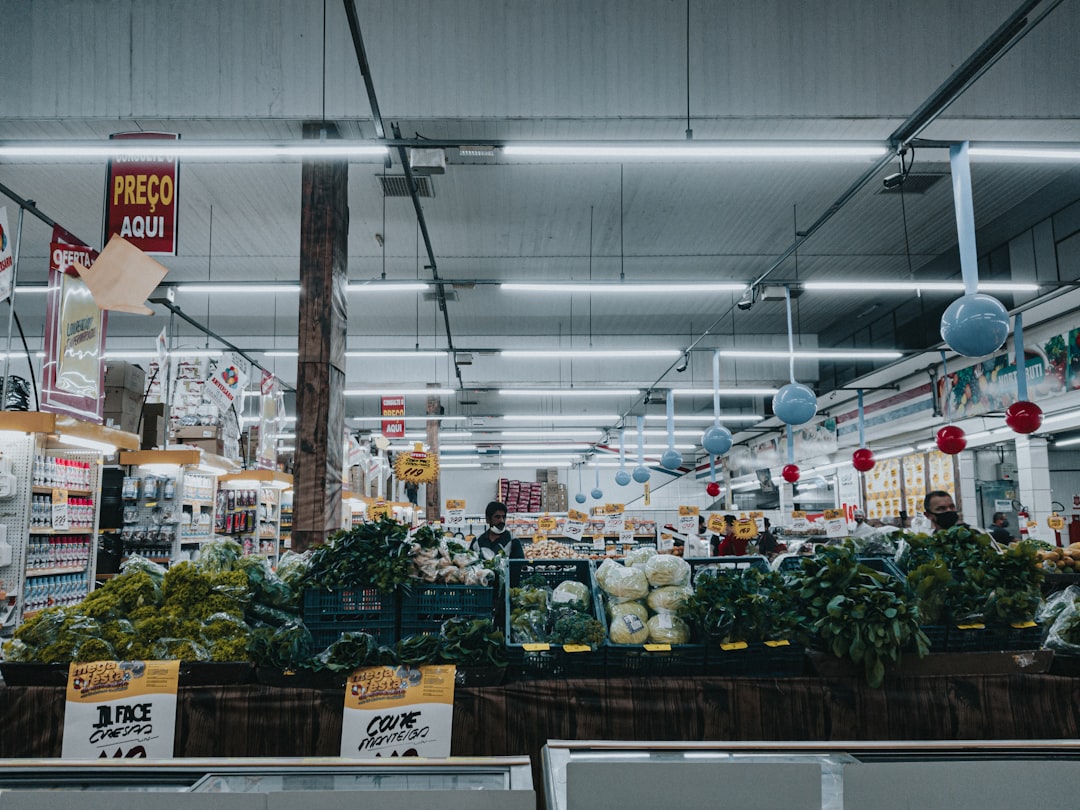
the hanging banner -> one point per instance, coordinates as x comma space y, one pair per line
398, 712
73, 374
225, 385
7, 260
393, 406
269, 425
120, 710
140, 198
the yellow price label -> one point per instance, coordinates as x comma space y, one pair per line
59, 495
734, 645
798, 515
614, 508
536, 647
778, 643
685, 511
455, 504
657, 647
746, 529
971, 627
1055, 522
716, 523
755, 515
833, 514
546, 523
576, 648
576, 516
1023, 625
646, 492
538, 538
628, 526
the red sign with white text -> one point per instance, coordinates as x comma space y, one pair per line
140, 198
393, 406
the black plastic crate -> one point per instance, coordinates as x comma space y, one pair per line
329, 613
974, 638
1021, 638
938, 635
756, 660
425, 609
553, 662
632, 660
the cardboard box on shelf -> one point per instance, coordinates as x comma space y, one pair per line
185, 434
120, 374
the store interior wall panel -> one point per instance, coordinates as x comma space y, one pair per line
420, 799
112, 799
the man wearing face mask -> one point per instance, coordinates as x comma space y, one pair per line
497, 539
940, 510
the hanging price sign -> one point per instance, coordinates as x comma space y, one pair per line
574, 530
60, 518
417, 466
688, 519
835, 524
547, 524
716, 523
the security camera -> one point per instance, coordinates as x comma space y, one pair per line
747, 299
683, 363
894, 180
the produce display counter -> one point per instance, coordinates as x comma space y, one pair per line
251, 720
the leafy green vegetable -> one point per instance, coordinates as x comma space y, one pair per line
472, 643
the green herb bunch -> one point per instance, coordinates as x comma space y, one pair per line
370, 555
858, 613
748, 605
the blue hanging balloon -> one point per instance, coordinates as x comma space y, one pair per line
622, 478
975, 325
641, 474
671, 460
716, 440
795, 404
580, 497
597, 494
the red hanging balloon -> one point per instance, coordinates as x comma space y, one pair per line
863, 459
713, 489
951, 440
1024, 417
790, 473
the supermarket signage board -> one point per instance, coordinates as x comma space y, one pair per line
120, 710
398, 712
140, 197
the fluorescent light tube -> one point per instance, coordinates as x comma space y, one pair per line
857, 286
379, 419
253, 289
548, 417
813, 354
540, 434
899, 451
191, 150
387, 286
1042, 151
695, 150
400, 354
589, 353
389, 392
705, 418
569, 392
1067, 442
724, 392
672, 288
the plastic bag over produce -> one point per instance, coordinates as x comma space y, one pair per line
573, 593
667, 629
667, 569
669, 598
625, 583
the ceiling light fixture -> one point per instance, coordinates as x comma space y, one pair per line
389, 392
697, 150
812, 354
726, 392
1039, 151
588, 353
617, 287
858, 286
734, 417
1067, 442
603, 418
387, 286
191, 150
256, 288
569, 392
432, 417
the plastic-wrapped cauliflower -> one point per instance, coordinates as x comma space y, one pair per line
604, 569
616, 610
667, 569
665, 628
628, 627
572, 593
625, 583
669, 598
639, 556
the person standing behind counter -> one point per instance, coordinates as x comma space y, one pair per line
496, 539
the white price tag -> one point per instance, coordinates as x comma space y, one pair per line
599, 543
626, 536
574, 530
613, 524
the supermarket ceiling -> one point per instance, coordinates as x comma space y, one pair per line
453, 74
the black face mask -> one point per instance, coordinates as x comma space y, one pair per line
946, 520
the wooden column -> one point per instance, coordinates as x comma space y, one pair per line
320, 377
432, 498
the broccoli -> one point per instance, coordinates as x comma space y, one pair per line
94, 649
579, 628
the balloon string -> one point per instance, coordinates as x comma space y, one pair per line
948, 389
622, 449
596, 462
1021, 360
716, 387
712, 468
790, 339
862, 435
671, 419
790, 445
965, 216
